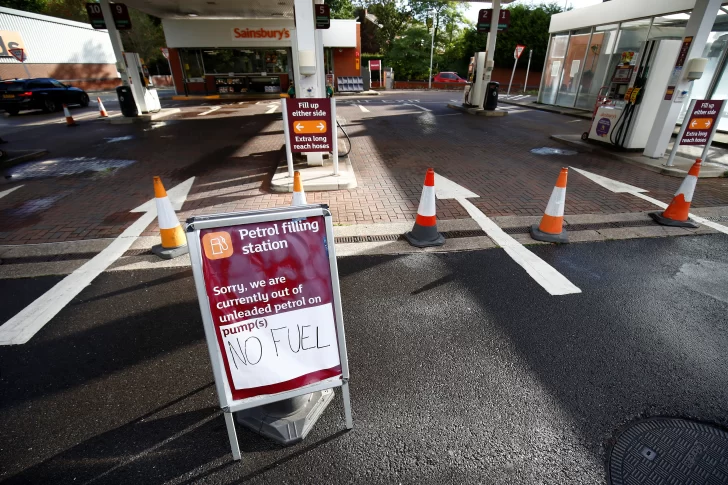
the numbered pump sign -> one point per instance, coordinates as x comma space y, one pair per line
268, 289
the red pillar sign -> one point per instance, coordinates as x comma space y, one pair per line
309, 125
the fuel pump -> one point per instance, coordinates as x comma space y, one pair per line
475, 88
145, 95
636, 90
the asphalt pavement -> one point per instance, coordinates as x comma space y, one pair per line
463, 370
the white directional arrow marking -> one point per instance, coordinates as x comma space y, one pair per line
542, 272
6, 192
708, 123
321, 126
299, 127
21, 328
693, 124
619, 187
272, 108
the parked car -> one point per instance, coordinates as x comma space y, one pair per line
43, 93
448, 77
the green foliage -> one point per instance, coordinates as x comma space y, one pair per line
341, 9
409, 54
146, 38
35, 6
67, 9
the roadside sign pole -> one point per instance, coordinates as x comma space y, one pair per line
289, 154
513, 72
528, 67
704, 155
335, 137
683, 127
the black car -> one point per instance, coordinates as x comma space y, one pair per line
42, 93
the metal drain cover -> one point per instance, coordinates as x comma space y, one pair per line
669, 451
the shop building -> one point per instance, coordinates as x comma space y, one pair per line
72, 52
251, 56
587, 45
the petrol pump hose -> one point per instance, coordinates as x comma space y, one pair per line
347, 137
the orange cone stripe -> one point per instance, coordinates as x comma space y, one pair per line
159, 188
561, 181
297, 186
430, 178
695, 169
173, 238
551, 224
426, 221
678, 209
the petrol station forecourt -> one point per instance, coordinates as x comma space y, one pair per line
395, 330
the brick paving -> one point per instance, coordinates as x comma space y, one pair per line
233, 158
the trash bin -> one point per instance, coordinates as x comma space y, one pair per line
491, 96
126, 101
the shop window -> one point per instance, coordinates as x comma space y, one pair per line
573, 66
551, 77
669, 26
192, 64
599, 53
245, 61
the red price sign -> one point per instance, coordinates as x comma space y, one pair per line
484, 18
375, 65
309, 125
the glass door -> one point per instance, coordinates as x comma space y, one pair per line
597, 60
551, 77
575, 54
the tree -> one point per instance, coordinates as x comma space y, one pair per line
67, 9
341, 9
409, 54
146, 38
34, 6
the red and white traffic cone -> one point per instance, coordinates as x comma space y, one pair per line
424, 233
102, 110
299, 196
69, 118
551, 228
677, 212
174, 241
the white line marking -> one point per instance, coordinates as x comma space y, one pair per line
575, 121
241, 102
420, 107
544, 274
363, 108
6, 192
620, 187
211, 110
21, 328
453, 100
271, 108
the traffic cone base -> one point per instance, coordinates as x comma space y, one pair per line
662, 220
551, 229
174, 241
678, 212
424, 233
539, 235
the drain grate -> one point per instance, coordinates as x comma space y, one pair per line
363, 239
667, 450
718, 218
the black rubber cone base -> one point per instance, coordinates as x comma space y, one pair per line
539, 235
288, 421
657, 216
169, 253
424, 237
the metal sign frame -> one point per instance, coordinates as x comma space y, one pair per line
193, 227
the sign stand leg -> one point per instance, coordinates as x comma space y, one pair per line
334, 137
680, 134
347, 404
289, 154
232, 435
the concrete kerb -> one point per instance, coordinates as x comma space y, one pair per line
315, 178
680, 170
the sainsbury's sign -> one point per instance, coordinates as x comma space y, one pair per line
262, 33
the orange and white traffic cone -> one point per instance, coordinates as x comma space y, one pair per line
551, 228
677, 212
102, 110
69, 118
424, 233
174, 241
299, 196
